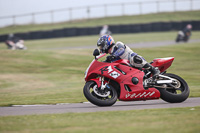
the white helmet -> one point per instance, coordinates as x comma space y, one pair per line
189, 26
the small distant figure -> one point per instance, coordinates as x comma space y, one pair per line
105, 31
185, 34
14, 42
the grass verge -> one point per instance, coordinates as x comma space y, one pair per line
175, 120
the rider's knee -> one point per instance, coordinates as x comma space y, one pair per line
137, 61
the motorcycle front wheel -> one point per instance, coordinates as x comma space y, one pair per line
95, 95
178, 38
175, 93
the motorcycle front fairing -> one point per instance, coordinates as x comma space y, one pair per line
120, 72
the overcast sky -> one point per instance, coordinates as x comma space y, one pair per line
18, 7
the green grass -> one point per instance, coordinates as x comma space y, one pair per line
163, 17
176, 120
30, 77
40, 76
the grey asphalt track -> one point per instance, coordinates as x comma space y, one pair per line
88, 107
133, 45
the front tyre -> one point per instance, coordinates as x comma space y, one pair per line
95, 95
178, 38
175, 94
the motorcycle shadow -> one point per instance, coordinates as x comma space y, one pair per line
135, 104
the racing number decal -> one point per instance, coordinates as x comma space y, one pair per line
104, 69
113, 74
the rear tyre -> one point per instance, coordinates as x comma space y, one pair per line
108, 98
175, 95
186, 39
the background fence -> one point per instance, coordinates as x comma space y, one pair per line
99, 11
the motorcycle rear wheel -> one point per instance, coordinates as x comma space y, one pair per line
97, 100
172, 95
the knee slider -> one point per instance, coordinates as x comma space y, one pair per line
137, 59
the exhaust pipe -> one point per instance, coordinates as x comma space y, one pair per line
164, 81
167, 80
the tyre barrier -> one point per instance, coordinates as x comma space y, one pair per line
176, 25
82, 31
47, 34
115, 29
94, 30
67, 32
195, 25
25, 36
146, 27
135, 28
36, 35
3, 38
58, 33
165, 26
156, 26
124, 29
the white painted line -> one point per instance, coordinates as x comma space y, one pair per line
85, 102
29, 105
35, 105
62, 103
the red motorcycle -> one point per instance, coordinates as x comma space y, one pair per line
108, 81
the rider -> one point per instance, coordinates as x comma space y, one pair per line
13, 42
118, 50
105, 30
187, 30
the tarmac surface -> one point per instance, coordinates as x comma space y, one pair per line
133, 45
88, 107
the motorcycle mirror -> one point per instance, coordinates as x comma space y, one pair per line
96, 52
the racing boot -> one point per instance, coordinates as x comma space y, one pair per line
155, 72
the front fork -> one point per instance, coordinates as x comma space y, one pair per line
101, 89
104, 83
